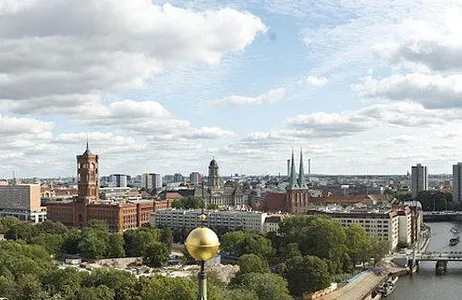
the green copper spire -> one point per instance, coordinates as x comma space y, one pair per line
293, 177
301, 173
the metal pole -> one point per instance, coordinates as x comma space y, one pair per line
202, 282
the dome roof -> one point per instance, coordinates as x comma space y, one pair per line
213, 163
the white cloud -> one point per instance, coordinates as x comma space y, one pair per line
266, 98
105, 46
314, 81
432, 91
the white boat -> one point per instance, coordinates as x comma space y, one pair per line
454, 230
386, 288
393, 279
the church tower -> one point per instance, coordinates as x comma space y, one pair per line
88, 185
214, 178
87, 177
297, 195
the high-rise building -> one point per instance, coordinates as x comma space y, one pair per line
151, 181
195, 178
457, 182
419, 179
118, 180
178, 177
22, 201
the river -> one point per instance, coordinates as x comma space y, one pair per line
425, 285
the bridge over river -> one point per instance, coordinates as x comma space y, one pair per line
442, 216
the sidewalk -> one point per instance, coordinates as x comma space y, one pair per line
358, 289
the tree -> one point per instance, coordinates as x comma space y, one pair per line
137, 241
315, 235
123, 283
7, 222
65, 282
190, 202
51, 242
71, 242
358, 244
432, 200
251, 263
92, 246
22, 231
239, 243
267, 286
288, 251
306, 274
51, 227
166, 237
116, 246
156, 255
238, 294
101, 292
212, 206
379, 248
160, 287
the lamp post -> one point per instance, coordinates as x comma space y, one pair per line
202, 244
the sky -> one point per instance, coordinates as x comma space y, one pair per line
362, 86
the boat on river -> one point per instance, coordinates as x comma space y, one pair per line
454, 241
454, 230
386, 288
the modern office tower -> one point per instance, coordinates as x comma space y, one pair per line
195, 178
419, 179
457, 182
118, 180
151, 181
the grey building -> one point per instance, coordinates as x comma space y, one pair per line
457, 182
419, 179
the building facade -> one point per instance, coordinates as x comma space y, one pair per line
118, 180
23, 202
215, 194
229, 220
383, 224
457, 182
195, 178
87, 206
151, 181
419, 179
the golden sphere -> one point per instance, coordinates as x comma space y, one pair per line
202, 218
202, 243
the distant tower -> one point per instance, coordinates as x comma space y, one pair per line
88, 185
214, 178
293, 176
457, 182
419, 179
309, 169
301, 173
288, 167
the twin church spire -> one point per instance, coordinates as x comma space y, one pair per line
294, 182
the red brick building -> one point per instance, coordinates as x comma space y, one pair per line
87, 206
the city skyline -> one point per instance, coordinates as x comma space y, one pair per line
364, 88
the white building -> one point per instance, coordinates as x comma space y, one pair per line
151, 181
231, 220
457, 182
405, 225
383, 224
419, 179
118, 180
